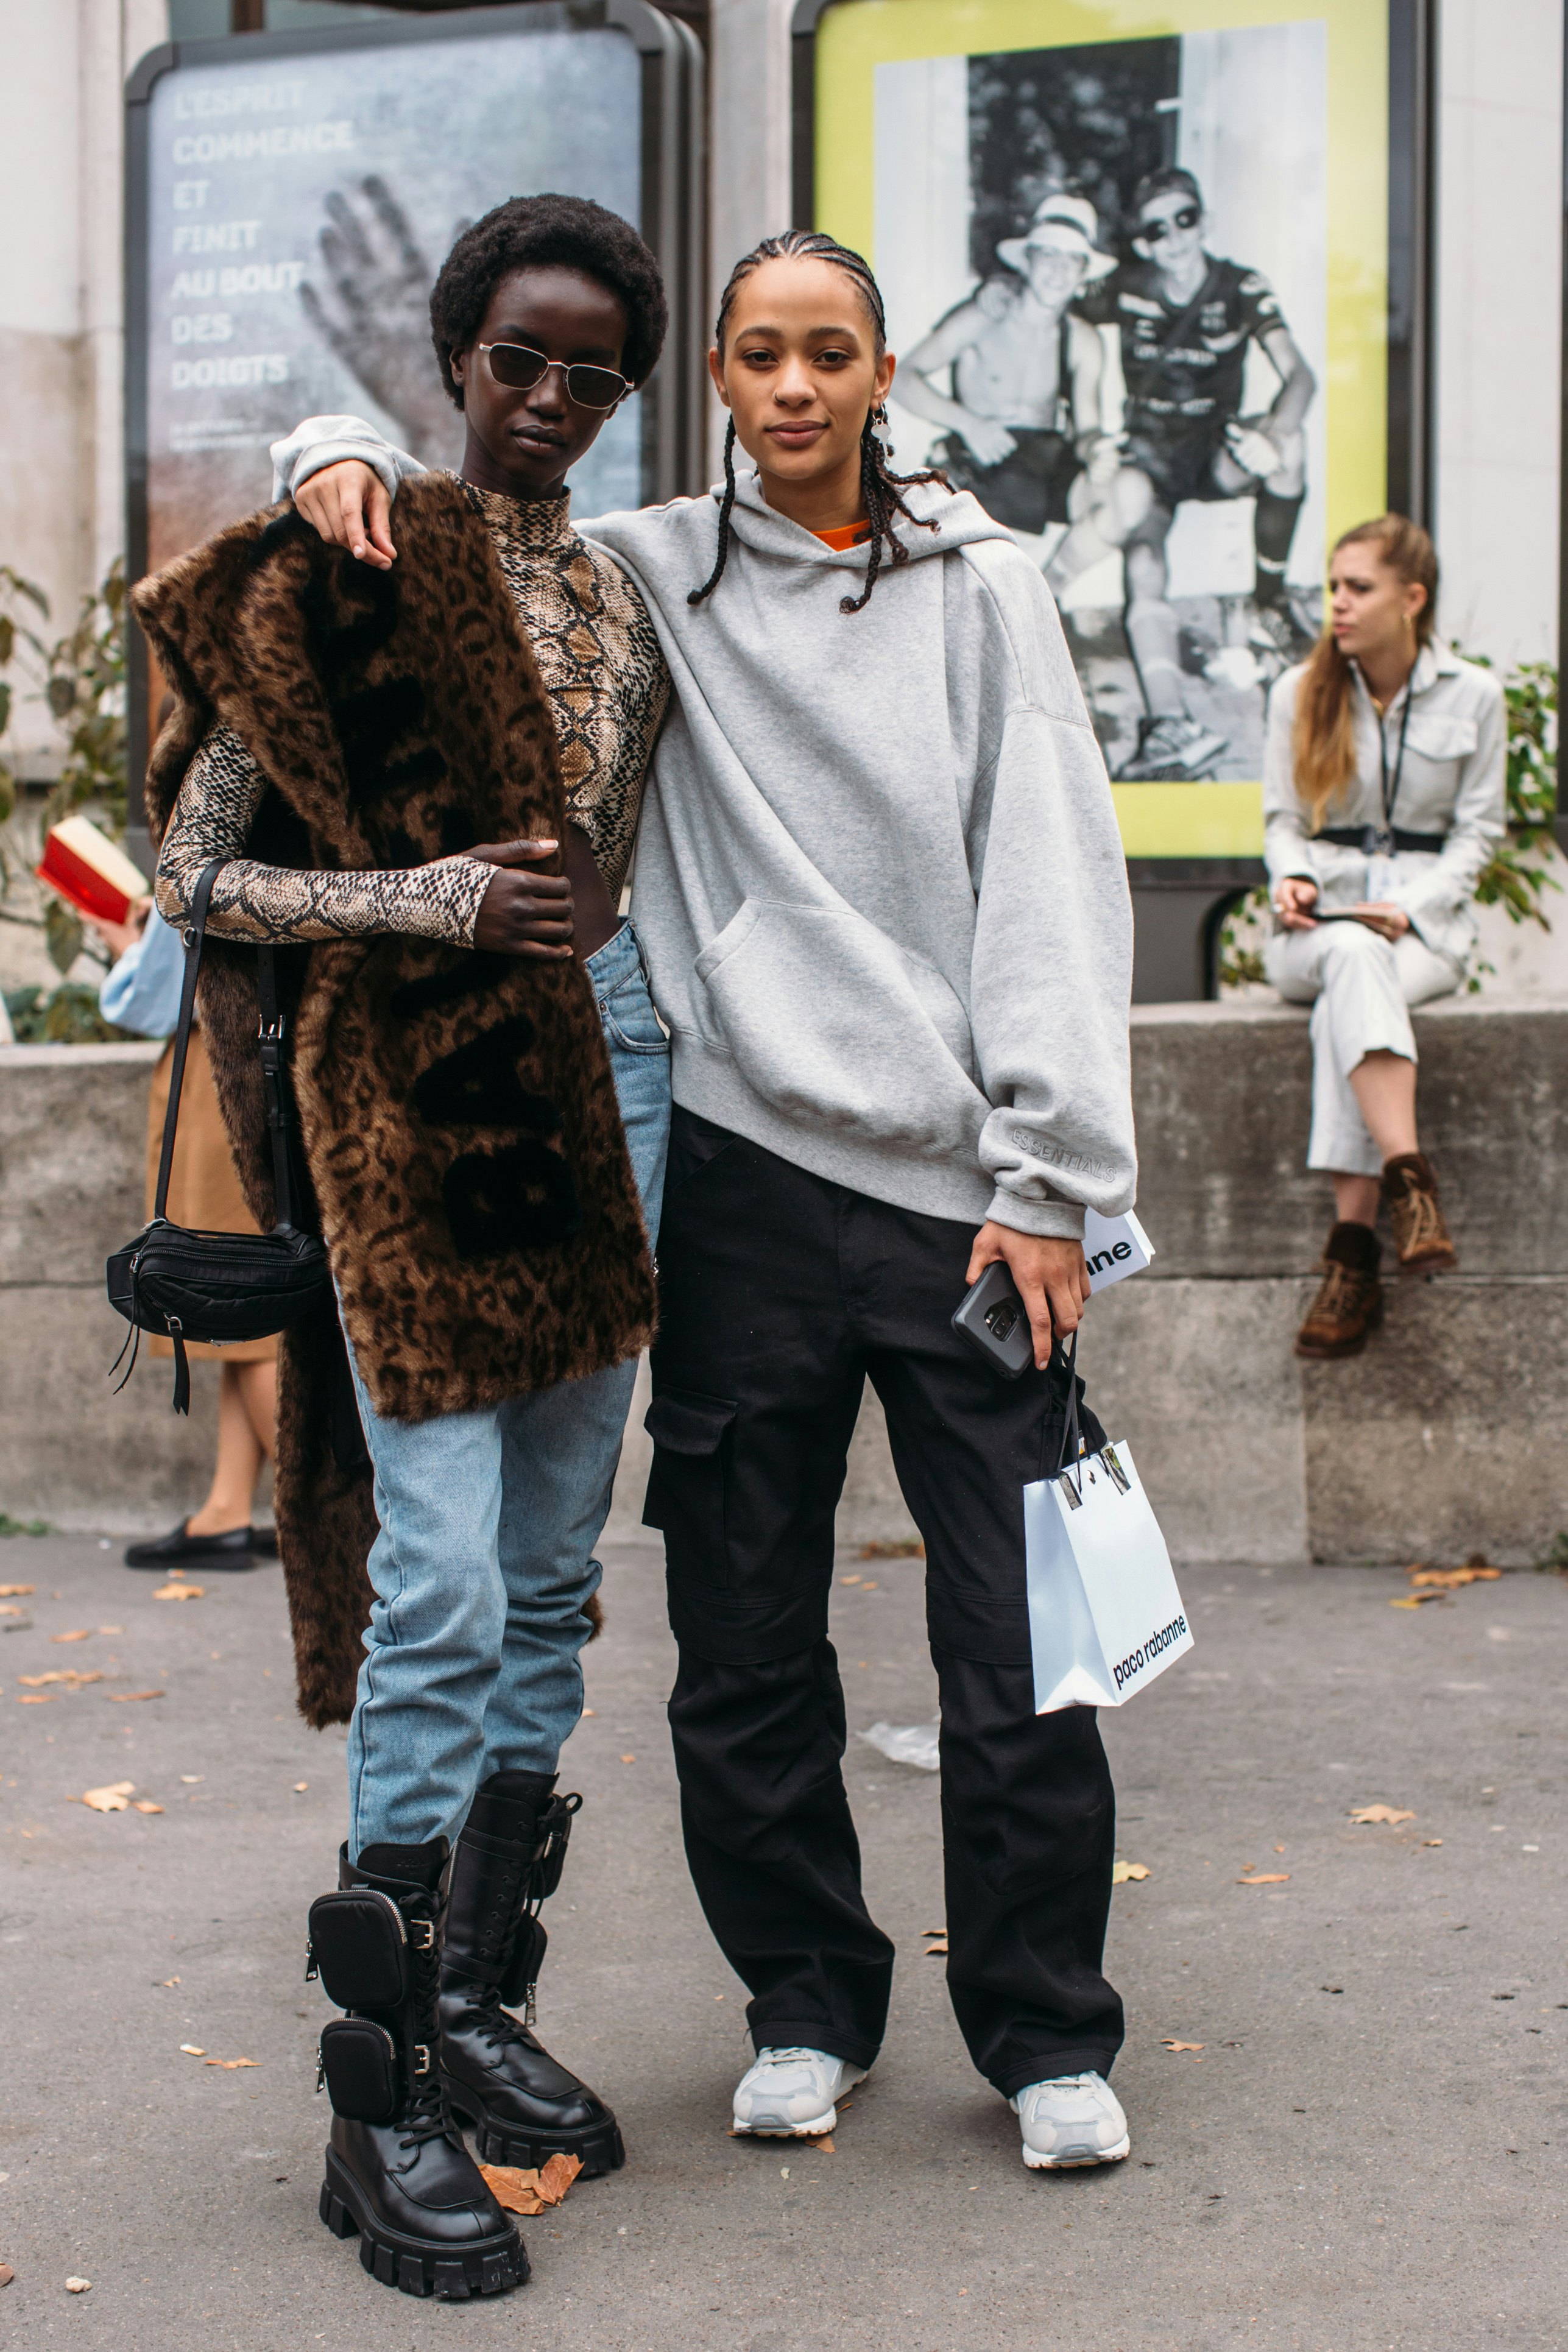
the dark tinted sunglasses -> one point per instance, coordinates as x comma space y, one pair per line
1153, 231
519, 370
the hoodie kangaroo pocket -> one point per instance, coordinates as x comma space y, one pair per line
836, 1027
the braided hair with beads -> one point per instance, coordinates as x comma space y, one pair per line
881, 490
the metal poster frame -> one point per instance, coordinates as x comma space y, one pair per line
673, 192
1182, 899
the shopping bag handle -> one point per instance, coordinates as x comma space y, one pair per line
1072, 1440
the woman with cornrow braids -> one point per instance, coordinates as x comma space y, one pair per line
883, 895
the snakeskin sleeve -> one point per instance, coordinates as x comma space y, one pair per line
213, 816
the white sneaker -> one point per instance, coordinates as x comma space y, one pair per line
1073, 2120
789, 2093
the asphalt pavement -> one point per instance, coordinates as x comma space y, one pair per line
1363, 2150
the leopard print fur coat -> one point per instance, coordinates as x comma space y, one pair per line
457, 1111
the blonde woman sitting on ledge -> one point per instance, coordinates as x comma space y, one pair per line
1382, 802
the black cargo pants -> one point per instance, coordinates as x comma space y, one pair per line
780, 1292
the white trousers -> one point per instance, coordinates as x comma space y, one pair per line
1360, 987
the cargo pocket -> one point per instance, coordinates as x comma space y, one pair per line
686, 1485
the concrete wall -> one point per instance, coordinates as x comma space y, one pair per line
1449, 1435
62, 487
1500, 349
73, 1125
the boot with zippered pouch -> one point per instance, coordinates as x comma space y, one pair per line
397, 2172
523, 2107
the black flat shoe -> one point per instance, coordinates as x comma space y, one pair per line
239, 1548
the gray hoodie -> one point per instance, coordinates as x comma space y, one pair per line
878, 876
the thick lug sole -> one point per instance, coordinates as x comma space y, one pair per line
598, 2148
415, 2266
1078, 2161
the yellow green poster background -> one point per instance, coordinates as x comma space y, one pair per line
855, 36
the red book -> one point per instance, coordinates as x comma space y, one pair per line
84, 865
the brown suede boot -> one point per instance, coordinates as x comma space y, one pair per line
1421, 1243
1349, 1303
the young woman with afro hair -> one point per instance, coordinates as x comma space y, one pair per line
886, 908
546, 315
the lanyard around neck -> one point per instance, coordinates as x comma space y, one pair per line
1391, 792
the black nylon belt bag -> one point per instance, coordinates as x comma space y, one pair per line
219, 1287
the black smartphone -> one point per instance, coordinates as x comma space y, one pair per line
995, 1321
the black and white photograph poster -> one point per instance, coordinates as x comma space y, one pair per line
1133, 316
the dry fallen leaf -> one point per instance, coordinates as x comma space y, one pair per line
9, 1609
1414, 1600
901, 1548
81, 1635
41, 1699
300, 1787
1120, 1872
629, 1760
145, 1805
1266, 1878
937, 1951
59, 1675
15, 1591
191, 1779
1444, 1579
6, 2274
128, 1699
167, 1981
1380, 1813
529, 2189
823, 2146
114, 1798
193, 2050
229, 2065
181, 1592
111, 1629
77, 2286
1431, 1841
1180, 2046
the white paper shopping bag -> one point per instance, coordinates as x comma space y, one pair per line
1105, 1616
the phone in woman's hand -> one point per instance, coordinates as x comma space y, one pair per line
996, 1322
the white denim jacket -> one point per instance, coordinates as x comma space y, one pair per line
1450, 782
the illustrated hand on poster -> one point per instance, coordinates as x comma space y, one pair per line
382, 283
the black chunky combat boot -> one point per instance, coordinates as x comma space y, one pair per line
397, 2170
523, 2107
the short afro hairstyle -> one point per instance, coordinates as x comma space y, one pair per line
549, 232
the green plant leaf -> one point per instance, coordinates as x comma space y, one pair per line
63, 935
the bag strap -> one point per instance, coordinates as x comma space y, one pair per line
1072, 1441
194, 932
275, 1080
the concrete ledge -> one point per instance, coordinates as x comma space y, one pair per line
1448, 1435
1223, 1096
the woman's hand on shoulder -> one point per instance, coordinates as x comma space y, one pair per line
523, 913
1294, 900
348, 505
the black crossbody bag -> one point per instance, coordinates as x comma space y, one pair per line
220, 1287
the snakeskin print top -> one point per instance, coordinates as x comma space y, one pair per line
608, 686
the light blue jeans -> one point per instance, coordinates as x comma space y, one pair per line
488, 1521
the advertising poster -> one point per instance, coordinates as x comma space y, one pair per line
1136, 265
292, 196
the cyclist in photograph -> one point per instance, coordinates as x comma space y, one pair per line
1185, 321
